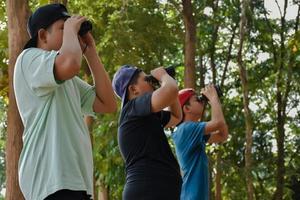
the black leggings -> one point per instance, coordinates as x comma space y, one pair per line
69, 195
143, 190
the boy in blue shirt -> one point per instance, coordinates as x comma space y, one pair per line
190, 139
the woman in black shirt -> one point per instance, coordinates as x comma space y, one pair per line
152, 172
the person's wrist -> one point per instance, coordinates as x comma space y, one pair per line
214, 99
93, 60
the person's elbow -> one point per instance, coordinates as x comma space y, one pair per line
179, 116
67, 69
224, 132
113, 107
174, 121
105, 107
177, 120
173, 91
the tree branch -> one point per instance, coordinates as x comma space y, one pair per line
272, 33
289, 76
278, 8
175, 5
214, 38
228, 55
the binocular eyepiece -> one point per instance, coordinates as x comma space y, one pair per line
85, 27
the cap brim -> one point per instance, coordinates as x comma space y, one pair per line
124, 99
31, 43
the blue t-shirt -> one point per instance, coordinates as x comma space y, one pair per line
190, 143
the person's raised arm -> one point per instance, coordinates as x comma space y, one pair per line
216, 127
166, 94
105, 101
176, 114
68, 61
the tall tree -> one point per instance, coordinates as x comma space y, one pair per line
284, 68
218, 192
245, 89
280, 111
17, 12
212, 56
283, 84
189, 44
214, 39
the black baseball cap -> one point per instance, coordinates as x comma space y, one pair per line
43, 17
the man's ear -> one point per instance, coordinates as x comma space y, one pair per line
42, 35
132, 89
185, 109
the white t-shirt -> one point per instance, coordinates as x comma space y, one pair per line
57, 152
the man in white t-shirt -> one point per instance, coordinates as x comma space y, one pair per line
56, 160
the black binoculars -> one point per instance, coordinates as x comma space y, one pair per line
202, 97
85, 27
170, 70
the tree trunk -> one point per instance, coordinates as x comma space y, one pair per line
228, 56
281, 115
214, 38
103, 193
202, 72
18, 13
218, 191
190, 44
211, 175
247, 113
212, 52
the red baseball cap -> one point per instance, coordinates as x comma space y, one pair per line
185, 94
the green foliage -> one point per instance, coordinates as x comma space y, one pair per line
3, 51
151, 33
3, 90
109, 166
3, 128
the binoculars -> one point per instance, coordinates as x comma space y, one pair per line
202, 97
171, 71
85, 27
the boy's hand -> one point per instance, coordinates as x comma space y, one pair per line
158, 73
73, 23
87, 43
210, 92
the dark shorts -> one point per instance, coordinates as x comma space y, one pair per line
143, 190
69, 195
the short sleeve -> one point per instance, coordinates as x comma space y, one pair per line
37, 66
87, 96
195, 133
206, 137
140, 106
164, 117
